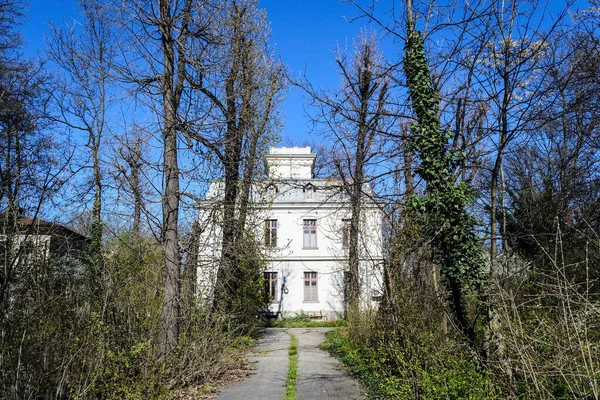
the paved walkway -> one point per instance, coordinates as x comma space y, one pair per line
319, 374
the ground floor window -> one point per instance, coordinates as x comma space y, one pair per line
271, 285
310, 286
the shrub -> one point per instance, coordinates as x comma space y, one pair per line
61, 340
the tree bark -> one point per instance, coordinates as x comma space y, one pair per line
227, 274
170, 98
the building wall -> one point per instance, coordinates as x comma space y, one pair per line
290, 259
291, 197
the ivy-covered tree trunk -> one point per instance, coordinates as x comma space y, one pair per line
443, 207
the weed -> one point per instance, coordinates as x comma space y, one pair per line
290, 384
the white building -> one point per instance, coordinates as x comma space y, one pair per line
303, 224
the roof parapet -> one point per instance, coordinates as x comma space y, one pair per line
290, 163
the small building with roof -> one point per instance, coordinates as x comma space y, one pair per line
37, 240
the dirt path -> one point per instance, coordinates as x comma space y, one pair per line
319, 374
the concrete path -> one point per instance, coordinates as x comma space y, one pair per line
271, 357
319, 374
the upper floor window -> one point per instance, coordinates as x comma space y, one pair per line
310, 233
271, 285
271, 233
346, 224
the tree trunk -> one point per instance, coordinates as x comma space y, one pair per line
227, 276
137, 197
190, 274
354, 248
409, 186
170, 328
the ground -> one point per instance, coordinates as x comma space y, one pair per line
319, 375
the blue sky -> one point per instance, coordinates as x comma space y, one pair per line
303, 32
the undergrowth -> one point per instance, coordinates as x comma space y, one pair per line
395, 374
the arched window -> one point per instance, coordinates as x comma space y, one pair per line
272, 190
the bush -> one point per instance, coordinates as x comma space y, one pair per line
549, 328
62, 340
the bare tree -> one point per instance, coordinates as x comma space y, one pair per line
30, 172
214, 90
358, 119
131, 170
511, 75
160, 34
84, 52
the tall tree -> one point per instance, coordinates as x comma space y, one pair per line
444, 205
553, 178
357, 117
160, 35
218, 87
244, 98
511, 75
29, 168
84, 52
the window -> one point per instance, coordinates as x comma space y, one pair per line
308, 190
271, 191
310, 286
346, 224
271, 233
310, 233
271, 285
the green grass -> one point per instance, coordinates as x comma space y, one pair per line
303, 321
290, 384
357, 363
287, 323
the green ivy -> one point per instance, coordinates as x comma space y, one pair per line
442, 210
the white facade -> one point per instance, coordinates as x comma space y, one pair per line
303, 225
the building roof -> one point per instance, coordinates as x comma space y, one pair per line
41, 227
310, 191
290, 181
